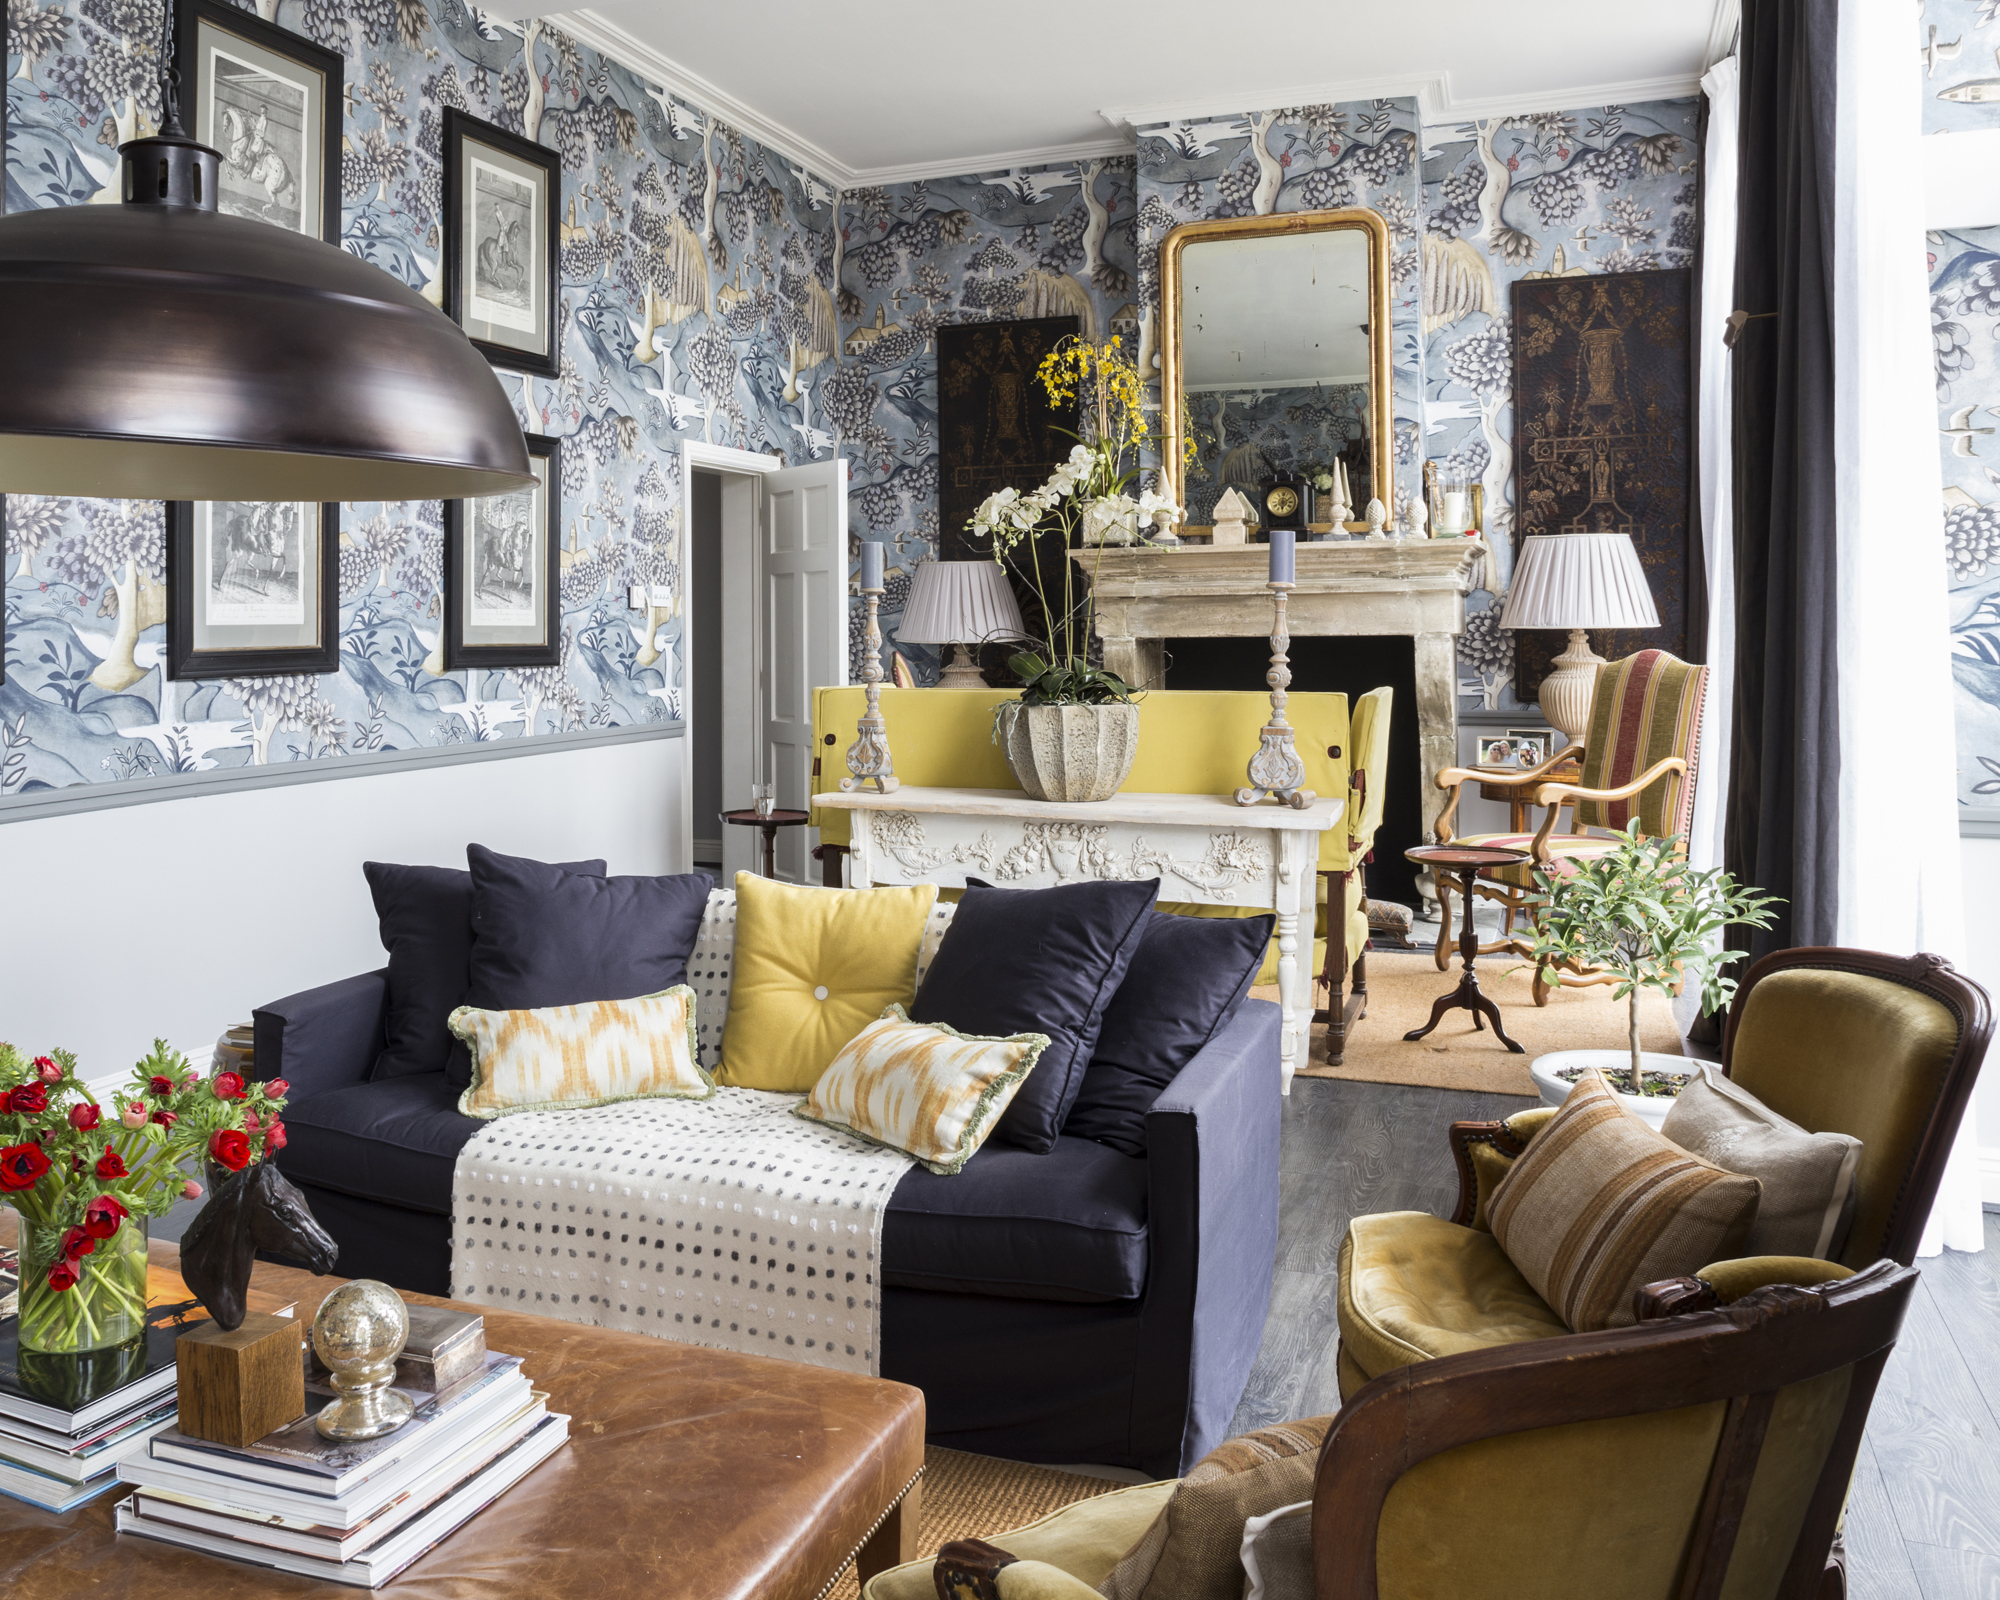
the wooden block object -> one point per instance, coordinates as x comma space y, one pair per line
236, 1387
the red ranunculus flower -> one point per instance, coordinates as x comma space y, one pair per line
111, 1167
84, 1116
228, 1086
277, 1089
230, 1148
275, 1137
165, 1119
77, 1243
62, 1276
30, 1100
161, 1086
21, 1166
102, 1216
47, 1069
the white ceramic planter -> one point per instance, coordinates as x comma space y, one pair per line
1615, 1064
1074, 753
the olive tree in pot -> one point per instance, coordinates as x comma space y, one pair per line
1074, 732
1642, 915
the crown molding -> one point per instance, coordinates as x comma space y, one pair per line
1633, 91
1429, 90
594, 29
1054, 155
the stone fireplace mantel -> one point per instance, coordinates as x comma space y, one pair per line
1410, 587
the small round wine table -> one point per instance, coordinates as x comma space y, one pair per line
748, 818
1460, 865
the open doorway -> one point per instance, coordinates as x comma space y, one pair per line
765, 556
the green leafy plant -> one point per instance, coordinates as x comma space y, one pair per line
1641, 912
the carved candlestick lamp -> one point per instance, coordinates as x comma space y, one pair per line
1277, 770
868, 757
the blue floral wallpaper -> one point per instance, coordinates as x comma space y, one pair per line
1559, 193
1958, 53
1242, 435
698, 274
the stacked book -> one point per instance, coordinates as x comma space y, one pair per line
67, 1421
354, 1512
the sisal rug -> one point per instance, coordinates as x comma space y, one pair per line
976, 1497
1403, 985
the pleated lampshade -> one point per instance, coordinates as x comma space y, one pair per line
961, 603
1579, 580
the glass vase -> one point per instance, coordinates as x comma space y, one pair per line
106, 1305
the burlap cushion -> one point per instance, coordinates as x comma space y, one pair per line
1600, 1204
1808, 1178
1193, 1550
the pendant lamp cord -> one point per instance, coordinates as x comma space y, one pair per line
170, 76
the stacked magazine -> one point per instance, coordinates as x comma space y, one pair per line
347, 1512
67, 1421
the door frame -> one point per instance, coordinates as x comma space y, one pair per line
728, 460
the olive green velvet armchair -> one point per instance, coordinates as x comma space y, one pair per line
1883, 1048
1695, 1455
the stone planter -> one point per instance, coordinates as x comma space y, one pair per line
1614, 1064
1069, 752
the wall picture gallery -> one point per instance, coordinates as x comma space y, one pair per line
253, 587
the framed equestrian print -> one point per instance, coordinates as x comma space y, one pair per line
501, 193
253, 588
503, 571
271, 102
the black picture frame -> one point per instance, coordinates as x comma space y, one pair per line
460, 650
464, 136
188, 660
296, 49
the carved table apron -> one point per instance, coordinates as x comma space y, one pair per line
1202, 848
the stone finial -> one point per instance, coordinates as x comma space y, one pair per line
1418, 517
1231, 513
1378, 514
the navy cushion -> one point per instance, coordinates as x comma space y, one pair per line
1188, 978
545, 937
1043, 961
426, 918
395, 1140
1069, 1225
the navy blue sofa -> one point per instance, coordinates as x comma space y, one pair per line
1081, 1305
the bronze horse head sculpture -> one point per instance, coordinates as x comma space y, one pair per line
251, 1210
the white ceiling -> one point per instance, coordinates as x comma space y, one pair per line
878, 90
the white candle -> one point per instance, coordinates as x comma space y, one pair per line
1457, 511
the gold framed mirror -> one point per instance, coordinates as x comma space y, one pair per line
1276, 345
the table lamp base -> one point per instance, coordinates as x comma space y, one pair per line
1567, 691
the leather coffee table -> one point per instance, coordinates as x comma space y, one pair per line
689, 1472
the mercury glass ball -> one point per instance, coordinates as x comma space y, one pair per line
361, 1325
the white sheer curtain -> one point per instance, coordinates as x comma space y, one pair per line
1900, 873
1718, 291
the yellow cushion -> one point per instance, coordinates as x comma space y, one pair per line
558, 1058
923, 1087
1413, 1286
1085, 1539
813, 967
1190, 742
1602, 1203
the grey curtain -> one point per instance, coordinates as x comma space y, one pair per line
1779, 830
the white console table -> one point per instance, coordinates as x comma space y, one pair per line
1201, 848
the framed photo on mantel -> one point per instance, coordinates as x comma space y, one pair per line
271, 102
501, 193
503, 571
253, 588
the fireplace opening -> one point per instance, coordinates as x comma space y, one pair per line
1338, 665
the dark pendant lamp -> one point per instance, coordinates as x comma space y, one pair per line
159, 350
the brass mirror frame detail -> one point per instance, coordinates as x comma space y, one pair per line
1381, 398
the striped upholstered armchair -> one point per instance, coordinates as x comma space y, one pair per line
1640, 761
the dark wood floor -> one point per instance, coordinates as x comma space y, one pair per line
1924, 1520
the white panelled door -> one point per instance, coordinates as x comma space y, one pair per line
803, 633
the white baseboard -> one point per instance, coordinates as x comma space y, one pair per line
1989, 1177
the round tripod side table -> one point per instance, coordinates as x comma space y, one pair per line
748, 818
1460, 865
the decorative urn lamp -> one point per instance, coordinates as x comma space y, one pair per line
1577, 581
958, 603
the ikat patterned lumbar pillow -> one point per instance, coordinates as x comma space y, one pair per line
922, 1087
562, 1058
